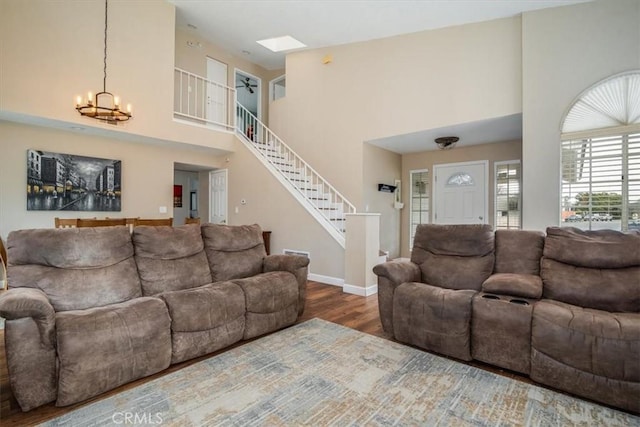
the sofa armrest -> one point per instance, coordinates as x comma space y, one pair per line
19, 303
296, 265
517, 285
391, 275
398, 272
289, 263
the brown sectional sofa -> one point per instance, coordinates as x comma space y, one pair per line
90, 309
563, 308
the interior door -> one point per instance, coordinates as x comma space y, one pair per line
216, 93
218, 199
460, 193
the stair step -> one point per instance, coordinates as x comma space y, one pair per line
282, 164
299, 176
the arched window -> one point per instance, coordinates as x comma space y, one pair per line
601, 156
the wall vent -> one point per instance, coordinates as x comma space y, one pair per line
296, 252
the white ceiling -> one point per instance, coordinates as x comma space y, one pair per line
507, 128
236, 25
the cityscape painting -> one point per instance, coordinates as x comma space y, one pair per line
66, 182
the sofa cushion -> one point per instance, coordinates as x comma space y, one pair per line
76, 268
453, 272
464, 240
170, 258
596, 269
234, 252
593, 249
616, 290
102, 348
591, 353
517, 285
433, 318
518, 251
205, 319
272, 302
454, 256
593, 341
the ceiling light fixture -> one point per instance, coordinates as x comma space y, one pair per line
447, 142
104, 106
279, 44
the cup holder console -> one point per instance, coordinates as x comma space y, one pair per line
506, 299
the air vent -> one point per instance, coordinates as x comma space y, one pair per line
296, 252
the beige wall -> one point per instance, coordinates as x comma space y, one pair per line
565, 51
394, 86
194, 59
147, 173
494, 152
383, 167
52, 51
269, 204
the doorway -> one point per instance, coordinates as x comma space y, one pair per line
460, 193
218, 199
193, 189
217, 113
249, 92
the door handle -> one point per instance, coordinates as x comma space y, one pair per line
480, 218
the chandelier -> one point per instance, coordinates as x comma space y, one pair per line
104, 106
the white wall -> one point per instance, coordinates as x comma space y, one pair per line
565, 51
52, 51
147, 173
271, 206
388, 87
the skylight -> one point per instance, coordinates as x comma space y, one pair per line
279, 44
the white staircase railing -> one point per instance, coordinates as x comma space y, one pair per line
203, 101
317, 195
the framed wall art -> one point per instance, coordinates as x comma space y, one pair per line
67, 182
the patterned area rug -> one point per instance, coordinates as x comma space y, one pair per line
318, 373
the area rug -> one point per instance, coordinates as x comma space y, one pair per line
321, 374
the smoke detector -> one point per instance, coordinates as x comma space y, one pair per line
446, 142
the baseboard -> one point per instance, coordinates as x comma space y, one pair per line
327, 280
359, 290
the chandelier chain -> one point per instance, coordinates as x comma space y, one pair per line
106, 10
104, 106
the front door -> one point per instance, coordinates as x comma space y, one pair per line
460, 193
216, 93
218, 200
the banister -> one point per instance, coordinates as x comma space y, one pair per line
332, 190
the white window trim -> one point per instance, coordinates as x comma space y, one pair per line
411, 172
495, 190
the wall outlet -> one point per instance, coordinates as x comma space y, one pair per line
162, 209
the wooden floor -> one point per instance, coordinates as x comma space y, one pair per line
323, 301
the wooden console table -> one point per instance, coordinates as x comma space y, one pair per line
266, 236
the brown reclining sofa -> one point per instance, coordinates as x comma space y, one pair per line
562, 308
90, 309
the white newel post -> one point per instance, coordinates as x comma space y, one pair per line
362, 248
